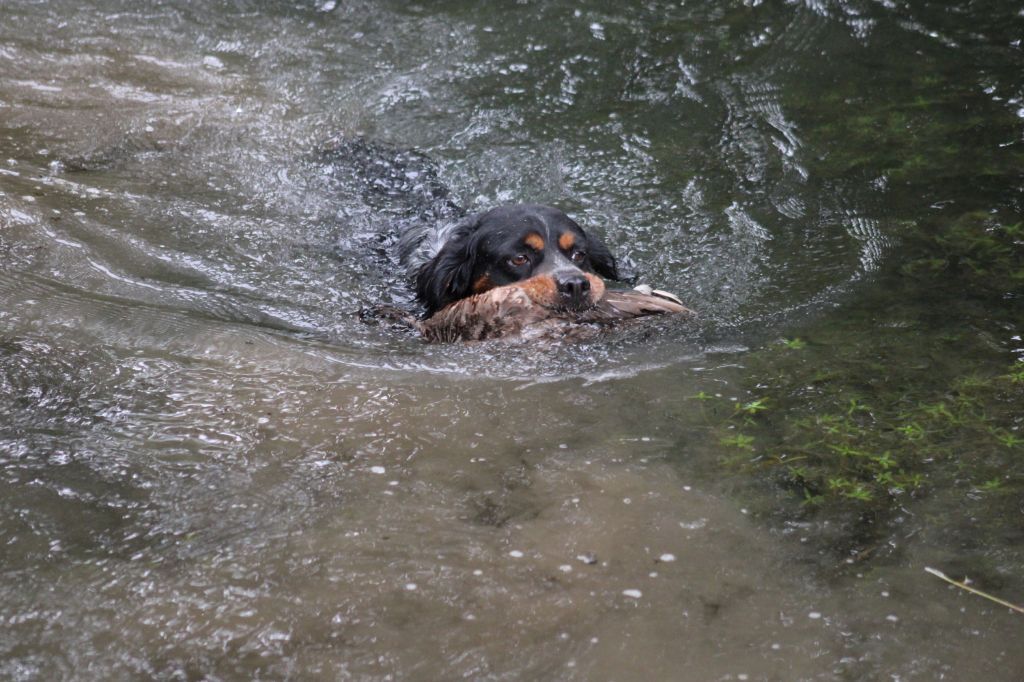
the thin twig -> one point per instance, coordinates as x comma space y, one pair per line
964, 586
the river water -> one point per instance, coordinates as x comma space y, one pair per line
211, 467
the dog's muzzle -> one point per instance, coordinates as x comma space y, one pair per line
573, 290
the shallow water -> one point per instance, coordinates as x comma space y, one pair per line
212, 468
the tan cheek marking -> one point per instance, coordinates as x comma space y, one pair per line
566, 240
542, 290
483, 284
534, 241
596, 287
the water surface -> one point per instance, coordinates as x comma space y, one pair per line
212, 468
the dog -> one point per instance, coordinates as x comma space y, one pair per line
562, 265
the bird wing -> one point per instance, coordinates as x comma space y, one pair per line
509, 310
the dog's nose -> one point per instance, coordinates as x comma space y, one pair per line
574, 289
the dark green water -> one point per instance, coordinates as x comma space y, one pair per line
210, 468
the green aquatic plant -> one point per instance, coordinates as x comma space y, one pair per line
912, 431
739, 440
1006, 439
1016, 374
885, 460
753, 407
859, 492
811, 499
855, 405
845, 450
938, 411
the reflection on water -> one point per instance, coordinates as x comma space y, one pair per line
210, 467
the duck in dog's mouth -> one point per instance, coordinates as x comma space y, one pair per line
512, 268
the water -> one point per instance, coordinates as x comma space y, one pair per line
212, 468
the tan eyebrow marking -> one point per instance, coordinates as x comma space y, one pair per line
534, 241
567, 240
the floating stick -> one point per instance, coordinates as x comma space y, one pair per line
964, 586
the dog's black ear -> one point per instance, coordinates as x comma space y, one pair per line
448, 276
603, 261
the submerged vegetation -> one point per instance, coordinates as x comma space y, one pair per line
916, 387
887, 401
826, 435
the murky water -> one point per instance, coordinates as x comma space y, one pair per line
212, 468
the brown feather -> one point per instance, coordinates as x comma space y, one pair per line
513, 310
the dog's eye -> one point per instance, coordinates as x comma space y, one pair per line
578, 256
519, 260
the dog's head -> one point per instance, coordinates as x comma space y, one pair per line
559, 263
